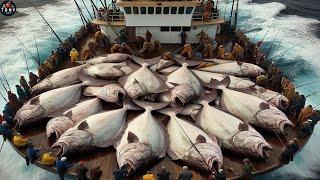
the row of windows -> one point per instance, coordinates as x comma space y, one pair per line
174, 28
158, 10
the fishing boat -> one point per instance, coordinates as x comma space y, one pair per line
165, 20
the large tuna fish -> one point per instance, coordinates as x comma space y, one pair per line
48, 104
149, 62
236, 69
99, 130
143, 82
110, 58
191, 145
219, 61
105, 70
144, 140
109, 93
162, 64
234, 134
250, 109
236, 82
274, 98
58, 125
185, 76
58, 79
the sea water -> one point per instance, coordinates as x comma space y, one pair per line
299, 62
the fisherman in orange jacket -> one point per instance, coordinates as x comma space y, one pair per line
305, 114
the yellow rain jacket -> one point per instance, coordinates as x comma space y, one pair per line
148, 177
221, 51
19, 140
48, 159
74, 55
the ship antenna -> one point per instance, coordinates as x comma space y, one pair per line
5, 78
25, 59
87, 9
35, 40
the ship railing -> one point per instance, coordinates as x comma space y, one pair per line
111, 16
198, 16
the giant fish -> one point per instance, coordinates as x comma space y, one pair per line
143, 82
110, 58
99, 130
48, 104
162, 64
149, 62
185, 76
274, 98
250, 109
236, 69
105, 70
144, 140
58, 125
109, 93
234, 134
236, 82
191, 145
58, 79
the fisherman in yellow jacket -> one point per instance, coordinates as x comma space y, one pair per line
48, 159
221, 51
238, 51
19, 140
74, 55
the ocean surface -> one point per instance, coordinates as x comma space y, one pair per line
291, 29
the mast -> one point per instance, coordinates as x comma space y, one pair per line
231, 13
84, 21
87, 9
236, 15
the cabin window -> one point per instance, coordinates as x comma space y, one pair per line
166, 10
189, 10
174, 10
127, 10
150, 10
135, 10
176, 28
181, 10
164, 29
158, 10
143, 10
186, 29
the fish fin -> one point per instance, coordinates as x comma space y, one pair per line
83, 125
239, 63
201, 139
213, 95
243, 126
154, 106
35, 100
215, 84
149, 62
174, 84
264, 105
172, 154
181, 60
132, 138
167, 111
68, 114
163, 87
91, 91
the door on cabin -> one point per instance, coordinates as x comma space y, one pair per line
131, 34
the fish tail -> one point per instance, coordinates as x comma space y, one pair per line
215, 84
129, 105
151, 105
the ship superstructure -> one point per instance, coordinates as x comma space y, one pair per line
165, 20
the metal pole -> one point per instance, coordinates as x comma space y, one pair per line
3, 97
35, 40
5, 78
3, 85
1, 145
87, 9
307, 84
35, 59
25, 59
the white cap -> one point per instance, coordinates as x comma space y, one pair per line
63, 159
4, 122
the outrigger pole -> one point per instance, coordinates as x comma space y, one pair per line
3, 97
269, 50
23, 46
35, 40
25, 59
313, 93
87, 9
84, 21
236, 15
3, 85
102, 3
307, 83
5, 78
94, 6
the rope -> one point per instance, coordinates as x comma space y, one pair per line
279, 139
308, 83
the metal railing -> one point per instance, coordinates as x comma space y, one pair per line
111, 16
198, 16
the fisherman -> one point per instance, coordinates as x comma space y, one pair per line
48, 64
287, 88
24, 84
288, 153
33, 79
14, 102
32, 154
247, 169
41, 73
301, 104
185, 174
305, 129
221, 51
148, 176
98, 38
19, 141
156, 46
48, 159
305, 114
163, 174
208, 51
148, 36
62, 167
167, 56
115, 48
21, 94
262, 80
145, 50
295, 145
238, 51
271, 70
207, 11
201, 36
95, 173
74, 55
228, 56
81, 171
5, 130
54, 57
122, 37
220, 175
119, 174
124, 48
183, 37
315, 118
187, 51
8, 113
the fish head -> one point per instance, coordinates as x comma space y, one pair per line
273, 119
58, 125
280, 102
73, 140
251, 142
134, 90
41, 87
251, 69
28, 113
182, 94
243, 83
207, 156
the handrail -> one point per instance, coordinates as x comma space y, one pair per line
198, 16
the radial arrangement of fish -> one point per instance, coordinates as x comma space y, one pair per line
221, 100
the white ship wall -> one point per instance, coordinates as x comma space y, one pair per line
158, 20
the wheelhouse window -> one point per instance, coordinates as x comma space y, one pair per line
150, 10
143, 10
176, 28
135, 10
127, 10
173, 10
158, 10
181, 10
164, 29
166, 10
189, 10
186, 29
